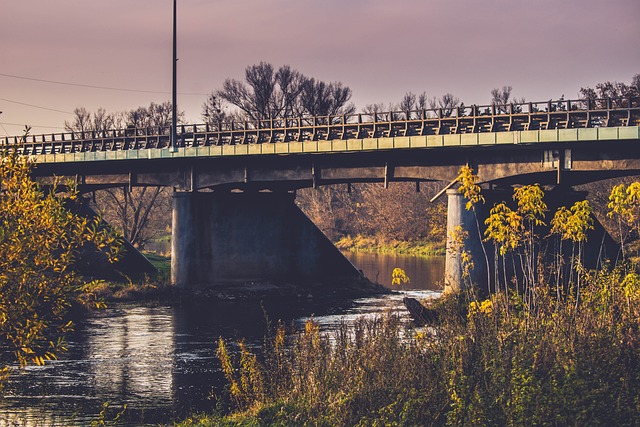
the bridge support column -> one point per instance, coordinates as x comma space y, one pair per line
221, 238
461, 222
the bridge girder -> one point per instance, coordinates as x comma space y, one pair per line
549, 164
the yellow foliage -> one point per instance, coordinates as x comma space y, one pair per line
574, 223
624, 203
631, 286
530, 203
484, 307
504, 227
469, 186
40, 238
398, 277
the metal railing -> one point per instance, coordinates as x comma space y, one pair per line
560, 114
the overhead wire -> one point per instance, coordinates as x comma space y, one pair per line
76, 85
13, 76
35, 106
31, 125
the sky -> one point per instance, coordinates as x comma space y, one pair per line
380, 49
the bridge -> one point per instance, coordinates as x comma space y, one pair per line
233, 215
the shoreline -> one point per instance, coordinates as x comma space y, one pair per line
374, 245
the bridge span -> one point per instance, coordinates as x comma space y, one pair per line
232, 219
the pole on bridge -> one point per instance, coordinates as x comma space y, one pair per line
174, 93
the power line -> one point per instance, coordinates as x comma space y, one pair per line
95, 86
34, 126
36, 106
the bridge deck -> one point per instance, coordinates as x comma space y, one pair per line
552, 121
354, 145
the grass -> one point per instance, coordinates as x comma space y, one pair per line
146, 289
380, 245
161, 263
498, 361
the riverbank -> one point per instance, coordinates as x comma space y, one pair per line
158, 290
372, 244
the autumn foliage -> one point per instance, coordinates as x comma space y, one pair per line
40, 239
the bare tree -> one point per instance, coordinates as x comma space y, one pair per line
81, 122
411, 101
140, 213
291, 84
446, 104
400, 211
153, 116
213, 110
321, 99
376, 108
501, 96
103, 121
266, 93
258, 98
331, 208
612, 89
408, 102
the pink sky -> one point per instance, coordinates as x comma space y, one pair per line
381, 49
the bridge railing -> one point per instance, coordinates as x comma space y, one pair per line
559, 114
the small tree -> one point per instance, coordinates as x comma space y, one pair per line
505, 229
39, 241
267, 93
572, 224
446, 104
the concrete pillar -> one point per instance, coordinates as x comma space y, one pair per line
183, 233
224, 237
458, 215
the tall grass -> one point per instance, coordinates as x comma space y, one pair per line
493, 362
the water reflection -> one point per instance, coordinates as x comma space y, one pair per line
130, 353
426, 273
161, 362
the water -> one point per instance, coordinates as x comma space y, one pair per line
161, 362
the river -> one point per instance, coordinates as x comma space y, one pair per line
160, 361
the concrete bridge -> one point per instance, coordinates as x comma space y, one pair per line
233, 215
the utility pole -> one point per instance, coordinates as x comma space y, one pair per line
173, 143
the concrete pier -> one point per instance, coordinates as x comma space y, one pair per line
223, 237
459, 216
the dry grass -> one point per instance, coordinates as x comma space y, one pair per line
491, 362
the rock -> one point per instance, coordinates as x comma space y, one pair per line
420, 314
